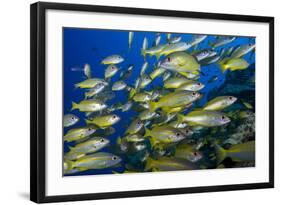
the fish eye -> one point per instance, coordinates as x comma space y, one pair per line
114, 116
114, 158
177, 134
223, 117
230, 98
112, 68
193, 93
169, 59
102, 140
195, 153
198, 83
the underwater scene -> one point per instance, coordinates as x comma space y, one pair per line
138, 101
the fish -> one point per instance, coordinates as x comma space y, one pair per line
139, 146
110, 71
183, 97
113, 59
70, 120
146, 115
170, 110
131, 138
131, 36
186, 131
233, 64
239, 152
127, 106
144, 67
175, 82
153, 51
177, 124
175, 39
104, 132
156, 72
134, 127
175, 47
157, 39
142, 97
104, 121
119, 85
221, 41
124, 75
90, 83
87, 70
69, 170
219, 103
191, 86
168, 164
180, 62
197, 39
92, 145
72, 156
242, 50
188, 152
90, 105
247, 105
144, 47
167, 118
164, 134
95, 90
175, 99
210, 60
145, 80
106, 95
100, 160
204, 118
79, 133
201, 55
168, 36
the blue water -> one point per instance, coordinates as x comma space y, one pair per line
81, 46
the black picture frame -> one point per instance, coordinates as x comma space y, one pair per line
38, 101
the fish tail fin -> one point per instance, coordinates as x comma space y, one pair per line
153, 106
143, 52
69, 165
88, 121
119, 140
223, 67
153, 142
70, 148
76, 86
220, 153
147, 132
74, 106
184, 74
132, 93
158, 55
149, 164
180, 118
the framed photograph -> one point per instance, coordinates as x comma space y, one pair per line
129, 102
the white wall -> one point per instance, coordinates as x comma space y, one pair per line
14, 102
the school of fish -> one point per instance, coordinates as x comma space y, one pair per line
163, 136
